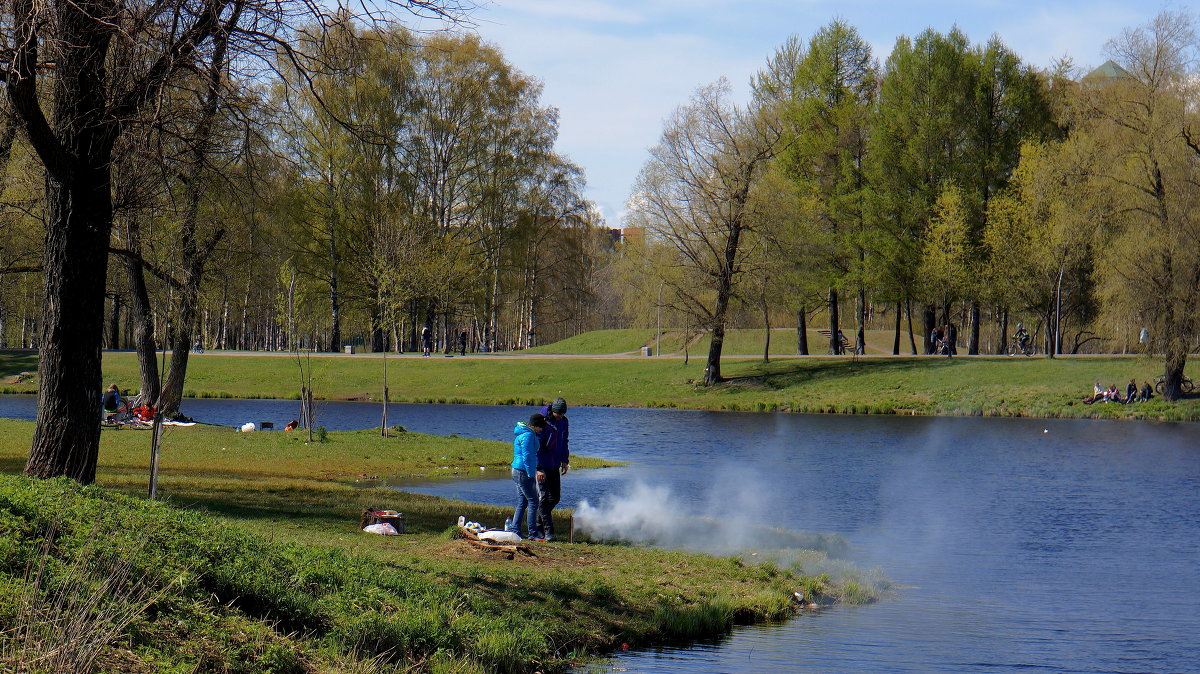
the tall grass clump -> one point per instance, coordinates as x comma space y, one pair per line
67, 613
691, 620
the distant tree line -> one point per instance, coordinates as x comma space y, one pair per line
951, 184
373, 181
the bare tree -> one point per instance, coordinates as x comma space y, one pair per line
694, 194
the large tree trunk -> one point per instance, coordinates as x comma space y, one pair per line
835, 344
79, 222
195, 253
140, 317
114, 324
712, 370
335, 302
899, 318
172, 392
766, 311
76, 149
1173, 374
929, 317
912, 342
861, 338
802, 332
1003, 333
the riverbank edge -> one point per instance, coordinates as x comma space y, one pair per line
682, 617
1074, 410
983, 386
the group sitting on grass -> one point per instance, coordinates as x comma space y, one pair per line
1111, 395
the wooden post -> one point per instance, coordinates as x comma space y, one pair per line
571, 535
155, 439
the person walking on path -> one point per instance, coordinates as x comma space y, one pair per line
462, 343
426, 340
554, 460
525, 472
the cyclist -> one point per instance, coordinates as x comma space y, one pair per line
1022, 337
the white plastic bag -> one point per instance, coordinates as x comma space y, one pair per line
247, 427
383, 528
500, 536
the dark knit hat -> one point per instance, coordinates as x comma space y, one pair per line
559, 405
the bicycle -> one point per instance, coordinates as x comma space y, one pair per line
1185, 384
1016, 346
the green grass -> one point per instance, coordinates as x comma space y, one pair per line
738, 341
988, 386
599, 342
257, 564
749, 342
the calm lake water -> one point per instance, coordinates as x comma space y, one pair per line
1017, 544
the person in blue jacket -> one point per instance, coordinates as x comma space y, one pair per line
525, 472
554, 460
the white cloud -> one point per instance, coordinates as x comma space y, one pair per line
582, 10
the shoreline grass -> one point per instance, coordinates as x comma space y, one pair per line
257, 562
974, 386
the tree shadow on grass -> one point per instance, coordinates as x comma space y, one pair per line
14, 465
783, 374
13, 362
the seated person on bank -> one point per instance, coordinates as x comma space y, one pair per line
292, 425
1147, 391
112, 402
1098, 392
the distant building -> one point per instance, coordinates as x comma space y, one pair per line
631, 234
1107, 72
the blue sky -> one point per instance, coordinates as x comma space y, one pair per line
616, 69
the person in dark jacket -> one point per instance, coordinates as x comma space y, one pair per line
554, 460
112, 402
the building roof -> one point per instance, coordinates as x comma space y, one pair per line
1107, 71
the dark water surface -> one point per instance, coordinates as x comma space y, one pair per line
1055, 545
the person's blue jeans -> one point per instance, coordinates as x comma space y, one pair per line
527, 502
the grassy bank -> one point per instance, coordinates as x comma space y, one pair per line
255, 563
990, 386
739, 341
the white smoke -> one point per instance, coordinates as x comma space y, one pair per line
729, 522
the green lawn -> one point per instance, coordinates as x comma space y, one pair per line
749, 342
258, 563
738, 341
903, 385
599, 342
